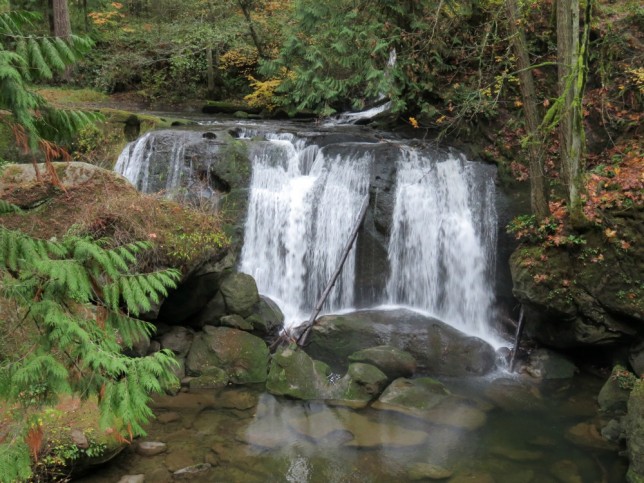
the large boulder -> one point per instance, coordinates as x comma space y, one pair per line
438, 348
240, 294
241, 355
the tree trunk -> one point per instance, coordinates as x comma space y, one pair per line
572, 58
245, 8
538, 193
211, 72
61, 22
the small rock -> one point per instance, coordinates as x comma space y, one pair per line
236, 322
424, 471
132, 479
179, 459
79, 439
151, 448
190, 471
613, 431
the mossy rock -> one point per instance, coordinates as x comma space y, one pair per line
243, 356
294, 374
393, 362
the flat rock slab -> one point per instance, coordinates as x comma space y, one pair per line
191, 471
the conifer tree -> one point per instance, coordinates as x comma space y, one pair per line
27, 57
78, 301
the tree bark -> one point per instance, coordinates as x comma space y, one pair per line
572, 58
61, 22
538, 192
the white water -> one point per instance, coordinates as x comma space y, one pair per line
441, 247
354, 117
134, 164
302, 207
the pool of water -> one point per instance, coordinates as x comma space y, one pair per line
532, 433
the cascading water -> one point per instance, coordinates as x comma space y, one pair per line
302, 206
443, 240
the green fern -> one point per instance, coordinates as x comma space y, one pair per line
80, 299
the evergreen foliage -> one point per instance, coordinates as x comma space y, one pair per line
79, 301
29, 57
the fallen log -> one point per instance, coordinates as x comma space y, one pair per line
345, 253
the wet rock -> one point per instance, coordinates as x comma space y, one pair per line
393, 362
238, 399
293, 373
361, 384
613, 431
546, 364
132, 479
191, 471
213, 379
178, 340
426, 471
79, 439
428, 399
243, 356
612, 397
140, 347
634, 429
212, 313
587, 435
235, 321
240, 293
438, 348
160, 475
151, 448
155, 346
566, 471
267, 319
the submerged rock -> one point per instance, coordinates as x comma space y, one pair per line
438, 348
428, 399
612, 396
364, 432
151, 448
546, 364
190, 471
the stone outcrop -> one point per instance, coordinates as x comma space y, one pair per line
438, 348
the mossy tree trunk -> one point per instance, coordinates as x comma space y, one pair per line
538, 192
572, 60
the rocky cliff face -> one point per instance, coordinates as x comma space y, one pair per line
587, 294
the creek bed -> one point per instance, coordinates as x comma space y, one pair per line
244, 435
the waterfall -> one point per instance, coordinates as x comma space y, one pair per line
302, 206
136, 164
443, 240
